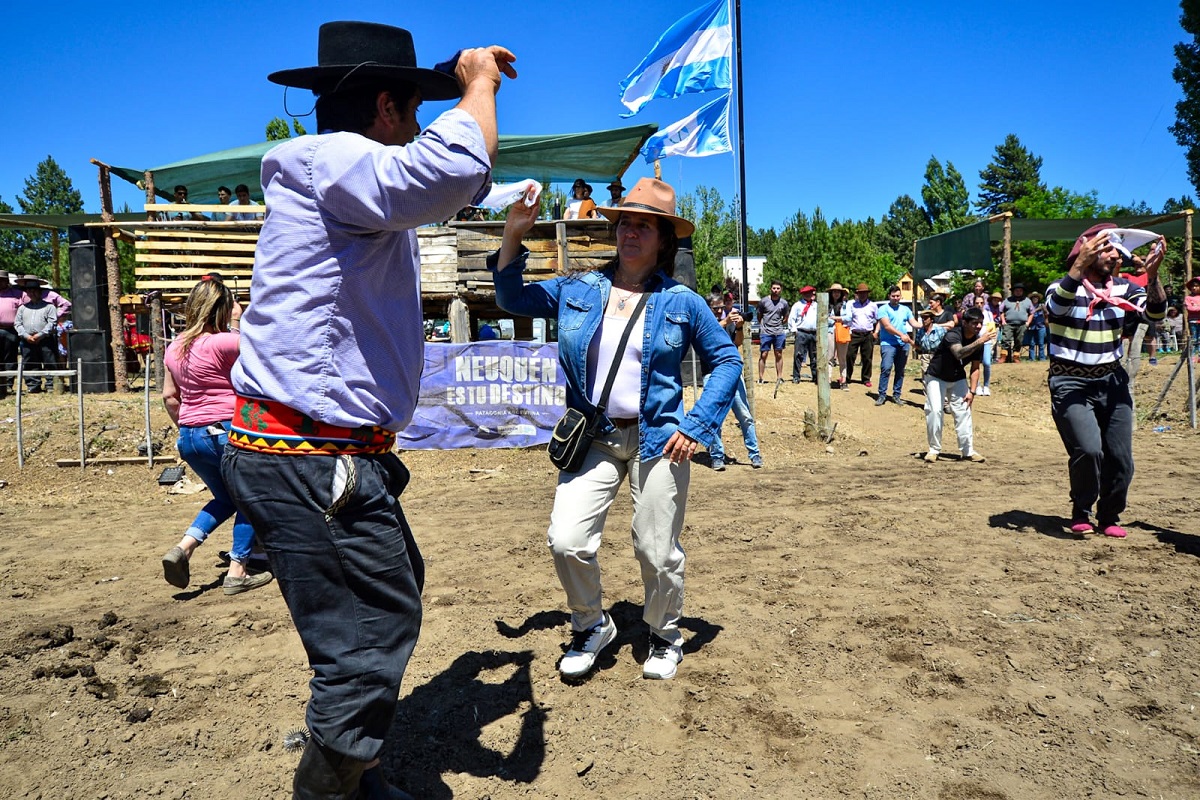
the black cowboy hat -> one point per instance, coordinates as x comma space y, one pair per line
367, 50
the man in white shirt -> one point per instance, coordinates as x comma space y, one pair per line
802, 323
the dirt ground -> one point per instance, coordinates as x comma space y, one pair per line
861, 624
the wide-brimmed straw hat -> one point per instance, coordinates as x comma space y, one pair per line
31, 280
837, 287
650, 196
357, 50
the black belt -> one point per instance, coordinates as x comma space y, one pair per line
624, 422
1071, 369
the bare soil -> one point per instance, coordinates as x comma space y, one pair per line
861, 624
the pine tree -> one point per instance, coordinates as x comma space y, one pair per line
1013, 174
945, 195
904, 223
47, 191
1187, 74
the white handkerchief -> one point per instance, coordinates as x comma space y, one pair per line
504, 195
1129, 239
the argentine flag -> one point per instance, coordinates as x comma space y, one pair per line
692, 56
705, 132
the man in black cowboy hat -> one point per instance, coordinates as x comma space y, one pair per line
1017, 310
331, 356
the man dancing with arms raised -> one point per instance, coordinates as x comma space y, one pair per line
331, 355
1089, 390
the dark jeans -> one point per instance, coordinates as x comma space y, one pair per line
351, 576
8, 356
806, 347
42, 354
864, 343
1094, 417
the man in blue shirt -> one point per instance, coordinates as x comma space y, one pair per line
895, 325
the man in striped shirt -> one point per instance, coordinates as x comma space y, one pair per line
1089, 390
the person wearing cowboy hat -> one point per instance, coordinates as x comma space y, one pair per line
327, 375
1016, 311
861, 315
838, 333
36, 324
1036, 331
646, 432
11, 298
1090, 400
802, 323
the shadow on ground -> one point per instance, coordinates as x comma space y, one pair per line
1024, 521
437, 728
1182, 542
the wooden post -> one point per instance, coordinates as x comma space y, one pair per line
148, 181
1006, 258
113, 270
657, 170
158, 337
55, 260
146, 408
1189, 346
560, 238
824, 414
460, 321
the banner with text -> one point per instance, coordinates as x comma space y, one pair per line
487, 394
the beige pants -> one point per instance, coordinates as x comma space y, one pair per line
581, 502
938, 391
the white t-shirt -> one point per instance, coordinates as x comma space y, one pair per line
625, 399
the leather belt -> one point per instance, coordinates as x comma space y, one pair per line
624, 422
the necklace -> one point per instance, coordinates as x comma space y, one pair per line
621, 301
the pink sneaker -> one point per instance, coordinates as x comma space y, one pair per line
1082, 526
1115, 531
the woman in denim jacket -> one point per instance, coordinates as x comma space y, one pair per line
649, 436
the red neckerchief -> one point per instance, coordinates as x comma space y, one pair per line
1104, 295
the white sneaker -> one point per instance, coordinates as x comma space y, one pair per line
664, 657
585, 646
985, 392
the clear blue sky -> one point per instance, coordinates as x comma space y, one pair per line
844, 102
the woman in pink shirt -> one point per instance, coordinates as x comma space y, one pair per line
199, 399
1191, 304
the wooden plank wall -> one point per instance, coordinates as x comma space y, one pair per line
172, 254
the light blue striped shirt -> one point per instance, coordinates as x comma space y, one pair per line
334, 327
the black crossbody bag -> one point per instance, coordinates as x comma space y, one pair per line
573, 434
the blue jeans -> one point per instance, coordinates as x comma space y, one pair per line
892, 355
202, 451
741, 410
351, 575
988, 349
1037, 343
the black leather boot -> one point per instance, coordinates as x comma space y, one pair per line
374, 786
324, 775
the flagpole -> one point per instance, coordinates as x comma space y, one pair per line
737, 88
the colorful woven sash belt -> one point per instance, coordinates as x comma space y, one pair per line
1082, 370
266, 426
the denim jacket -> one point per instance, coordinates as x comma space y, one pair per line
676, 318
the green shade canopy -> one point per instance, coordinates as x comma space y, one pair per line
600, 157
969, 247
